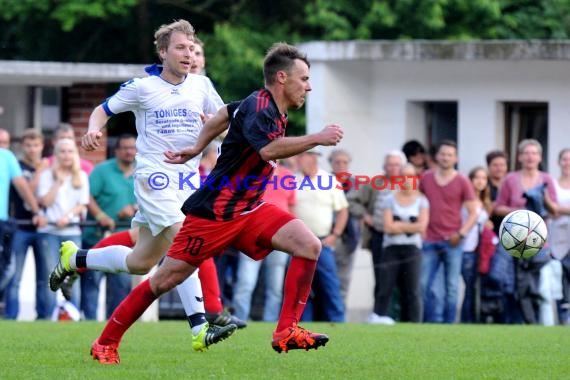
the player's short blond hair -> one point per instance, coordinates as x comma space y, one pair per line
162, 34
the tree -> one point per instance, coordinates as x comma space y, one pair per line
237, 33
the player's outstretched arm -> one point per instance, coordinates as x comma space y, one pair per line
214, 126
97, 120
290, 146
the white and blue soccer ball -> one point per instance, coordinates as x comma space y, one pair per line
523, 233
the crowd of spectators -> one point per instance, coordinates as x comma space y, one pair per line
433, 244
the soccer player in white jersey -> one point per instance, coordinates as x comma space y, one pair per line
169, 110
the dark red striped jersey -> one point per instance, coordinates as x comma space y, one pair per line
237, 182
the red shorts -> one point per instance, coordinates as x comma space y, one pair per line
251, 233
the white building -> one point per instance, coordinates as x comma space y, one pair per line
484, 95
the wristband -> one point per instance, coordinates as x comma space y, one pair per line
100, 216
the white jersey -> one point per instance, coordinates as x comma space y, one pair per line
167, 117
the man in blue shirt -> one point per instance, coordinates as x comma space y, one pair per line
10, 173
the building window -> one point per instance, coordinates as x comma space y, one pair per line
47, 109
431, 122
526, 121
441, 121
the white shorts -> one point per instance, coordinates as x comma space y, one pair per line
158, 208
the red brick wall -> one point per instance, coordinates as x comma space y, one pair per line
83, 98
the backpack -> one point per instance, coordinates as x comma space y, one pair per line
486, 248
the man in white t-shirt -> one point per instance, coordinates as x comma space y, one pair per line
169, 109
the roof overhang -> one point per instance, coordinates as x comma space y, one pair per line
423, 50
35, 73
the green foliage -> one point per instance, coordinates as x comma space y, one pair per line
405, 19
237, 33
68, 13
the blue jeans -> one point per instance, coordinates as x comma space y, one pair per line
434, 254
469, 274
45, 299
226, 266
325, 302
50, 245
118, 287
247, 274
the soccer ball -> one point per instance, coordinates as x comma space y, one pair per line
522, 233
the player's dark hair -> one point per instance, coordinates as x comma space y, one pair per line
281, 56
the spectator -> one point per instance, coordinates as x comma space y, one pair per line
416, 155
4, 139
112, 201
469, 269
492, 297
274, 265
362, 203
559, 231
316, 205
11, 173
447, 192
521, 284
497, 168
27, 236
405, 214
345, 246
63, 191
430, 157
65, 131
199, 63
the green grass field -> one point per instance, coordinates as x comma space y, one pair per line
44, 350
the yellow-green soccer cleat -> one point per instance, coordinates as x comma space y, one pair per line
211, 334
63, 268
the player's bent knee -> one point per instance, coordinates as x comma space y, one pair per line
309, 249
140, 268
315, 248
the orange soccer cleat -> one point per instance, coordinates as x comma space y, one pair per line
105, 354
295, 338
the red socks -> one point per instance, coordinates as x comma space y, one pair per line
210, 286
127, 313
118, 238
296, 291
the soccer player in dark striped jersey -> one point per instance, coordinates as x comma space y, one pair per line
228, 211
